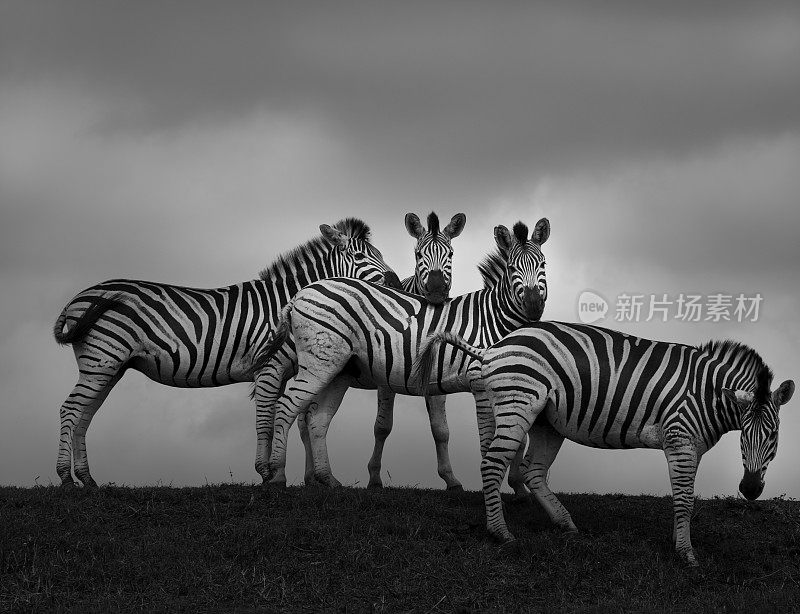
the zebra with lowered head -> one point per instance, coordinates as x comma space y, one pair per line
606, 389
352, 333
189, 337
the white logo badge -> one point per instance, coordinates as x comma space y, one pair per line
591, 307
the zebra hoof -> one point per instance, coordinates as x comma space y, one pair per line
88, 482
689, 558
310, 481
455, 488
275, 485
375, 485
503, 539
68, 484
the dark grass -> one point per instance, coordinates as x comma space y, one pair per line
308, 549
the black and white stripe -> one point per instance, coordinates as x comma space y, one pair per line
190, 337
353, 333
431, 279
606, 389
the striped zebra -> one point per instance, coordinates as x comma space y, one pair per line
606, 389
433, 256
432, 278
188, 337
350, 333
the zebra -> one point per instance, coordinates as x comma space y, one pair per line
433, 256
351, 333
189, 337
607, 389
432, 278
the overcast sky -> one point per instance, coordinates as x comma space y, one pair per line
192, 143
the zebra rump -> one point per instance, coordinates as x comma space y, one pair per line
99, 305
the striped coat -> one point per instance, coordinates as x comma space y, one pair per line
189, 337
354, 333
606, 389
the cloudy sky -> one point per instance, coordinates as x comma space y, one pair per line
191, 143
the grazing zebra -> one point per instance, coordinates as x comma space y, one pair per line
353, 333
432, 278
606, 389
189, 337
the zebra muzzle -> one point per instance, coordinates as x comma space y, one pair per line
436, 290
751, 485
532, 303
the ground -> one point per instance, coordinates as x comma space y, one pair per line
400, 549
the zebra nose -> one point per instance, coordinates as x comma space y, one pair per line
436, 289
751, 485
533, 303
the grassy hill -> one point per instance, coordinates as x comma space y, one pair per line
235, 546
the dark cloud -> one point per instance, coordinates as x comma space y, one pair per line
480, 92
193, 142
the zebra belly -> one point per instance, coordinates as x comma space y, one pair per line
618, 435
397, 379
151, 369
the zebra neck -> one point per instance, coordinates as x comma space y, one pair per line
410, 284
712, 374
504, 314
286, 277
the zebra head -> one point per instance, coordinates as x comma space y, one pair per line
525, 265
759, 439
354, 256
434, 255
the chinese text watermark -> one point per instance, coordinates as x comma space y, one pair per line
681, 307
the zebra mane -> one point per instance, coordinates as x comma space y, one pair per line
433, 224
492, 269
521, 232
352, 227
735, 351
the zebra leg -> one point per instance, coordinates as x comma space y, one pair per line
383, 427
320, 415
545, 442
300, 392
682, 460
510, 430
308, 476
516, 477
77, 412
267, 389
485, 416
441, 437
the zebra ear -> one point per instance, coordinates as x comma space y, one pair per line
335, 237
784, 393
456, 225
742, 398
503, 239
541, 231
414, 226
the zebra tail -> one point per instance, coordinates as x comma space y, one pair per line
423, 364
98, 306
263, 357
